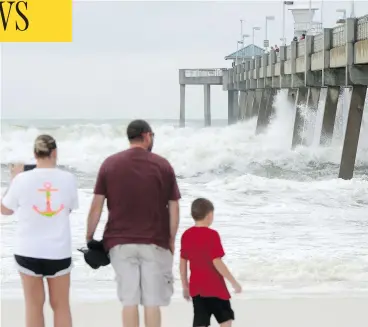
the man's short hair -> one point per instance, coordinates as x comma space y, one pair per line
201, 207
136, 129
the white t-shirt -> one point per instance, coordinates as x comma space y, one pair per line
42, 199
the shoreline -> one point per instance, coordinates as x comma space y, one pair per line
106, 291
297, 312
177, 298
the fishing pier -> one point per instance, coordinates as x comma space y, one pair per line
333, 59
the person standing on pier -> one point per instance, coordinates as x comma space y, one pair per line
143, 204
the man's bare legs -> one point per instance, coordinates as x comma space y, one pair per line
59, 300
152, 316
34, 296
130, 316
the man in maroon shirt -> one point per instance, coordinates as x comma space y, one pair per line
142, 200
201, 247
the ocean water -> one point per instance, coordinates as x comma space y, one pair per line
288, 225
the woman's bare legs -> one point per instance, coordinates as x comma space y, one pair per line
59, 300
34, 296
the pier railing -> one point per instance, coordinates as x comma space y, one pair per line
318, 43
362, 28
313, 28
300, 48
211, 72
338, 36
288, 52
199, 76
337, 47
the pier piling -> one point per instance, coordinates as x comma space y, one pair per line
265, 110
242, 105
352, 131
329, 114
301, 101
312, 104
207, 105
182, 105
231, 118
262, 113
249, 104
256, 102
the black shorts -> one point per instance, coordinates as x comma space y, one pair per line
43, 267
205, 307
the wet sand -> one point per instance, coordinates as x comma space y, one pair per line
302, 312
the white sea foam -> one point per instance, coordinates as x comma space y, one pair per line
287, 223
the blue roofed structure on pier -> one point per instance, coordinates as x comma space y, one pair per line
246, 53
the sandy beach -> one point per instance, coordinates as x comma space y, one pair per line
302, 312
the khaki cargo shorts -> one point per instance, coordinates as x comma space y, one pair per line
143, 274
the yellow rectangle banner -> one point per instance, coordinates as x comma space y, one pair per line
36, 21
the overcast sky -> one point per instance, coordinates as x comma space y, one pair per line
124, 58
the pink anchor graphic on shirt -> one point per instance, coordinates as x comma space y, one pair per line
49, 212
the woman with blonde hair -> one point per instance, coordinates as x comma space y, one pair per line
42, 199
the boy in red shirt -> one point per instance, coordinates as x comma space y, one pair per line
201, 247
